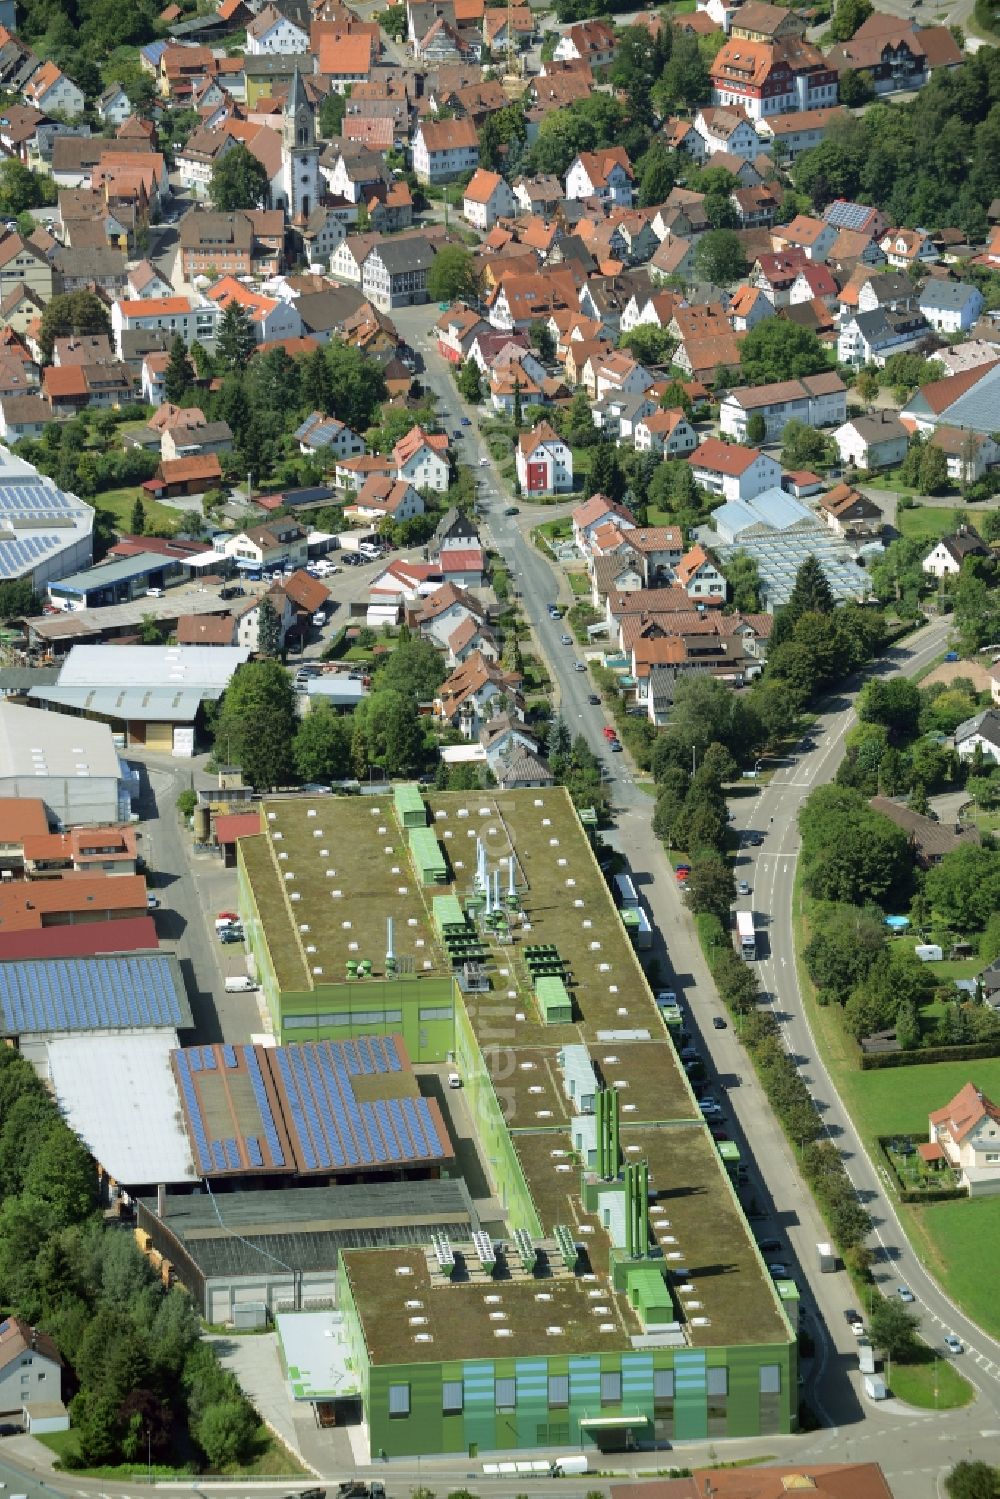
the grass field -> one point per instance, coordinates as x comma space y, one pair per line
926, 522
160, 519
270, 1459
930, 1382
953, 1239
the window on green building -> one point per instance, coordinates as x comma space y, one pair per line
436, 1012
505, 1394
399, 1401
611, 1388
716, 1390
770, 1398
452, 1397
663, 1404
558, 1391
663, 1384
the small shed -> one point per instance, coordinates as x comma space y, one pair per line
929, 952
553, 1000
411, 809
428, 860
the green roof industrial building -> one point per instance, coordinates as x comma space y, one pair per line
614, 1292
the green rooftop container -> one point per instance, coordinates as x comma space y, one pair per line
428, 859
647, 1291
553, 1000
447, 912
411, 809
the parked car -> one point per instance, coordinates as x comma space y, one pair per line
579, 666
718, 1023
615, 747
593, 698
231, 934
855, 1323
666, 997
778, 1270
770, 1246
710, 1108
565, 640
743, 887
152, 903
466, 422
511, 510
905, 1294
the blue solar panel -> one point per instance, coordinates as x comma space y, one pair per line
254, 1151
195, 1059
208, 1057
403, 1135
107, 993
232, 1152
229, 1053
263, 1104
295, 1105
194, 1112
218, 1159
386, 1122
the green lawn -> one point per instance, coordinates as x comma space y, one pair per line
579, 583
930, 1382
925, 522
160, 519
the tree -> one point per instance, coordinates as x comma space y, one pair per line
137, 519
387, 734
648, 343
811, 594
848, 16
239, 181
710, 885
331, 114
234, 342
659, 174
856, 87
719, 257
256, 725
964, 887
452, 275
705, 712
179, 375
803, 446
605, 475
907, 1026
517, 412
226, 1430
542, 340
933, 470
21, 189
17, 598
850, 853
61, 1176
972, 1480
893, 1328
72, 313
780, 350
868, 385
756, 429
415, 667
843, 949
578, 426
685, 79
268, 630
743, 577
357, 385
895, 703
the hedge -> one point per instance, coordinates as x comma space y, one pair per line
972, 1051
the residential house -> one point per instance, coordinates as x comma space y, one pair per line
247, 616
445, 150
271, 318
965, 1135
980, 733
733, 471
748, 306
381, 497
768, 78
189, 442
969, 455
700, 577
800, 129
475, 692
597, 512
30, 1367
928, 837
590, 41
271, 32
487, 198
872, 442
848, 512
346, 58
544, 462
814, 283
422, 459
727, 130
113, 105
665, 431
814, 237
21, 265
816, 400
50, 91
444, 610
967, 400
273, 544
945, 560
537, 195
167, 315
23, 416
467, 638
777, 273
756, 21
755, 206
394, 272
219, 244
325, 434
69, 388
605, 175
870, 337
950, 306
702, 356
906, 247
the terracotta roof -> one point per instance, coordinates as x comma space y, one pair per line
723, 457
18, 1336
22, 817
597, 507
203, 466
482, 186
448, 135
940, 394
205, 629
342, 53
777, 1481
543, 433
233, 825
967, 1109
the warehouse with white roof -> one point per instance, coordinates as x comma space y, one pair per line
74, 769
779, 533
151, 696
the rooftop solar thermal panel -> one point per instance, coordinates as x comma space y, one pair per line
327, 1107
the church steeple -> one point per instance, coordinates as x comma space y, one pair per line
300, 151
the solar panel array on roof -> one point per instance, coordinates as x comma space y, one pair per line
847, 215
37, 500
779, 557
22, 552
70, 994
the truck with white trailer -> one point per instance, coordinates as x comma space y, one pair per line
745, 934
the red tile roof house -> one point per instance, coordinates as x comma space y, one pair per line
732, 471
595, 512
544, 462
965, 1134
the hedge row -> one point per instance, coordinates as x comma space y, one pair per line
972, 1051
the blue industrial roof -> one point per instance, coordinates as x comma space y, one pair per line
93, 578
80, 994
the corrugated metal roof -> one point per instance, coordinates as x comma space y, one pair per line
87, 939
110, 993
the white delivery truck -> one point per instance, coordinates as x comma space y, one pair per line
827, 1256
866, 1356
566, 1467
240, 983
874, 1387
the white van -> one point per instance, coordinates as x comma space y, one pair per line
240, 984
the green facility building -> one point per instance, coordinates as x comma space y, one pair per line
613, 1294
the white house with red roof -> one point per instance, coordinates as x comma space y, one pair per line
699, 576
606, 175
596, 512
380, 496
422, 459
544, 462
733, 471
271, 318
965, 1135
487, 198
444, 150
665, 431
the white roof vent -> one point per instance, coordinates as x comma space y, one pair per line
404, 1269
311, 812
555, 1331
502, 1332
417, 1321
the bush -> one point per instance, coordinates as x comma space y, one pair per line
971, 1052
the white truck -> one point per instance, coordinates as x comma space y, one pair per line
827, 1257
566, 1467
746, 937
